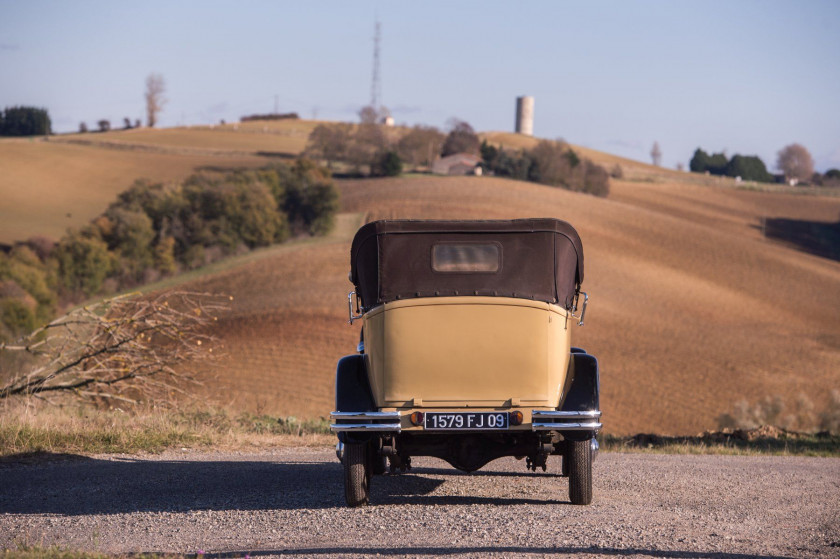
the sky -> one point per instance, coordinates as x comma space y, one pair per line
747, 77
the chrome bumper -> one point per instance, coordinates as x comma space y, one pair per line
565, 420
388, 421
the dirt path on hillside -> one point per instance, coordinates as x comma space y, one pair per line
289, 502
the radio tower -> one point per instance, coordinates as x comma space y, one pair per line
376, 84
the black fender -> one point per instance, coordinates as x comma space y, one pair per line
584, 393
353, 392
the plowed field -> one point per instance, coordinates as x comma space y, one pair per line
692, 309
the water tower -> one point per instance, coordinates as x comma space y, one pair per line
525, 115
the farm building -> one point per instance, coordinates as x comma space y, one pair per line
457, 164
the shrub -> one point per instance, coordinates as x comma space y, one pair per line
130, 236
309, 198
596, 180
164, 255
387, 164
25, 274
83, 263
617, 172
17, 318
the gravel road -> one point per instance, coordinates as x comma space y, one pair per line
290, 502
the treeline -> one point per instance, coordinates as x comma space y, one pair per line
363, 147
25, 121
748, 167
270, 116
551, 163
154, 230
384, 151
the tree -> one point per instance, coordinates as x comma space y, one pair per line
833, 174
329, 142
795, 162
25, 121
748, 167
104, 125
656, 154
699, 161
461, 139
83, 128
368, 115
367, 142
702, 162
155, 88
421, 145
309, 198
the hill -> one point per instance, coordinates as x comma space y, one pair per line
48, 186
691, 310
693, 307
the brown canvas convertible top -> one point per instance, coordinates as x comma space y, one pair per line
537, 259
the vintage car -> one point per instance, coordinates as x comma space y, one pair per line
466, 351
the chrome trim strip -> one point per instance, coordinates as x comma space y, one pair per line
540, 426
389, 427
365, 415
565, 414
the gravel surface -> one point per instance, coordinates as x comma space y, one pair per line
290, 502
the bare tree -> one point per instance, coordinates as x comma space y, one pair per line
126, 348
329, 142
795, 162
656, 154
461, 139
154, 98
368, 115
421, 145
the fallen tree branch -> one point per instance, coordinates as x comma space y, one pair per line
127, 348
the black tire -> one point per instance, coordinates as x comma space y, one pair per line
357, 471
579, 456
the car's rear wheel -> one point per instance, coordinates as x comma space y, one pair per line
357, 470
579, 456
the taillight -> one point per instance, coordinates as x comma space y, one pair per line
516, 417
417, 418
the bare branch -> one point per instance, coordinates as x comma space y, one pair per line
126, 348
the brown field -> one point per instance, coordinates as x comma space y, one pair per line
48, 186
691, 310
283, 136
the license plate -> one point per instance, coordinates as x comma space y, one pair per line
466, 420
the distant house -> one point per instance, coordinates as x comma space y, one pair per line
457, 164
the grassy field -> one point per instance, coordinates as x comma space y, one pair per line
692, 308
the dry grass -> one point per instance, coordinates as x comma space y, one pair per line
31, 432
283, 136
